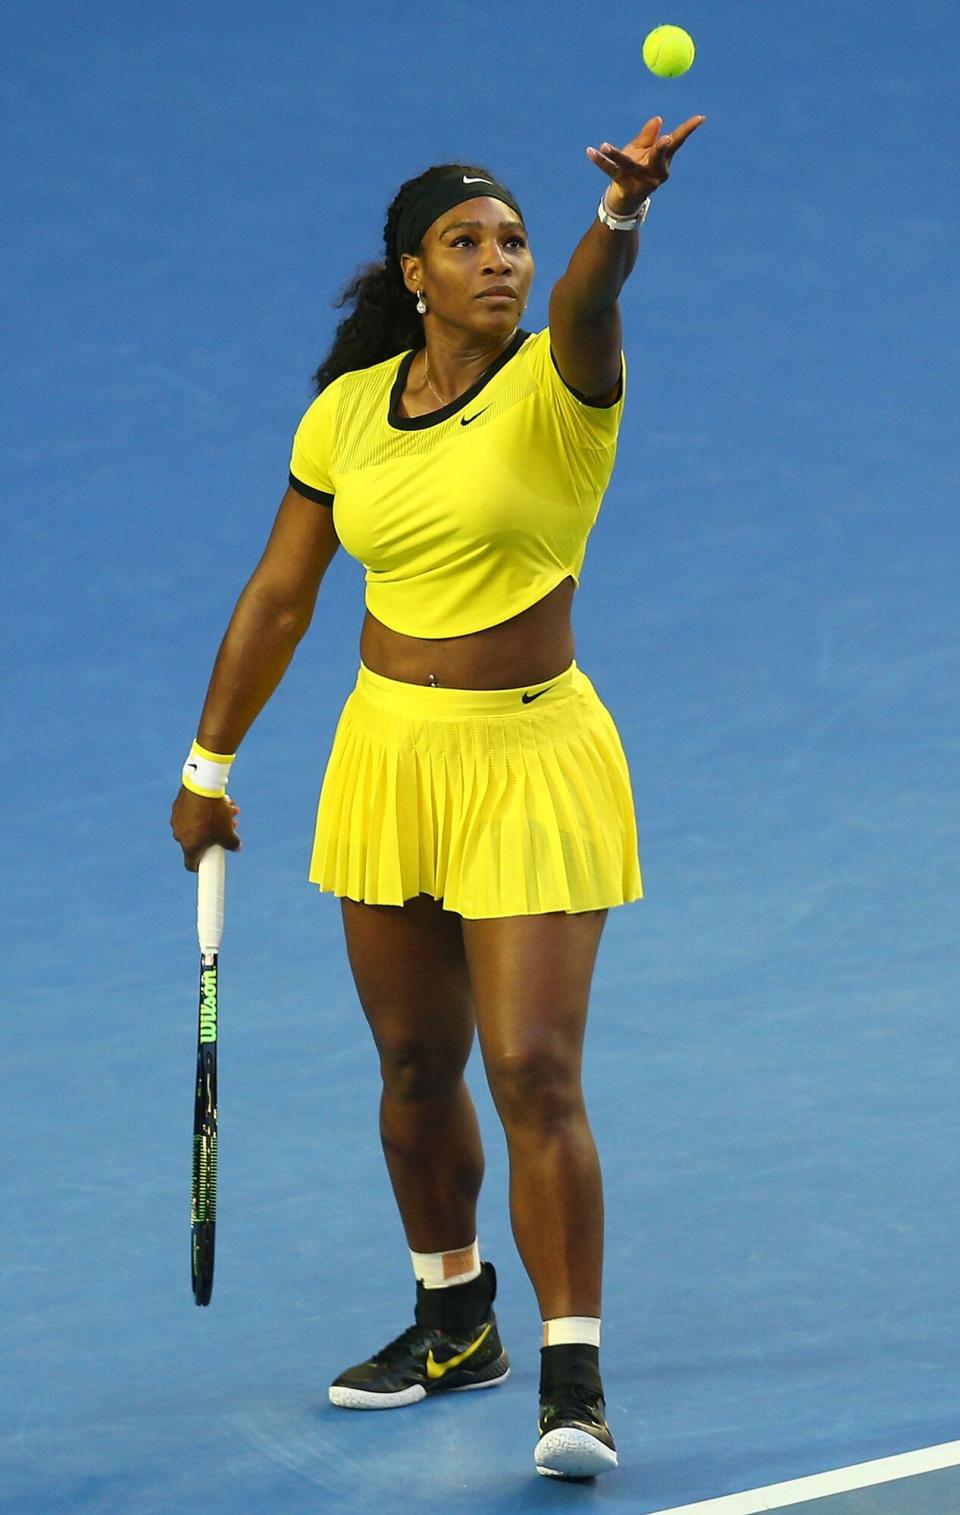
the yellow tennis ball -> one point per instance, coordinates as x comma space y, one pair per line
668, 51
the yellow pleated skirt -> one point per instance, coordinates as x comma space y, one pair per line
496, 801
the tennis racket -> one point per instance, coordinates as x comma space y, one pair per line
203, 1202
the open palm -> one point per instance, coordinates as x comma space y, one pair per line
643, 165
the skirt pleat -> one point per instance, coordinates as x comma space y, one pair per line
496, 802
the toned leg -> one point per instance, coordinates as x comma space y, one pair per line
531, 978
410, 970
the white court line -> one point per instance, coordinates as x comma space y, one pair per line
840, 1481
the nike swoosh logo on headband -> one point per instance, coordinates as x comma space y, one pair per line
476, 181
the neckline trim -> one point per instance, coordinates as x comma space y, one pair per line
437, 417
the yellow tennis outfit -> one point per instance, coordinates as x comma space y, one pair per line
497, 802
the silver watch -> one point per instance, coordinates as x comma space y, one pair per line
623, 223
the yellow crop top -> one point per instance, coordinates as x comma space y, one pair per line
468, 515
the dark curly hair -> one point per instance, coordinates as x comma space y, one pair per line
383, 320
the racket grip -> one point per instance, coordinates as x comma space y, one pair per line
211, 875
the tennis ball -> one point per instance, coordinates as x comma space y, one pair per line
668, 51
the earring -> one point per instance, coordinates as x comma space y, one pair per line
421, 303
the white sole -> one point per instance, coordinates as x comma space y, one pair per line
363, 1399
568, 1453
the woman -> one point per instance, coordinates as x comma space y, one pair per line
475, 819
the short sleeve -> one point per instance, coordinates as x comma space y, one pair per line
592, 425
312, 456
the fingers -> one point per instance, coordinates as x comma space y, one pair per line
621, 160
226, 834
613, 160
603, 160
192, 855
642, 143
680, 134
645, 167
610, 158
198, 823
647, 134
232, 840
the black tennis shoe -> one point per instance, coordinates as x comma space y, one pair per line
575, 1440
454, 1344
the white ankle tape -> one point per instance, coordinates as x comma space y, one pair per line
572, 1330
440, 1270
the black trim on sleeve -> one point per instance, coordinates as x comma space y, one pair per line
309, 493
584, 399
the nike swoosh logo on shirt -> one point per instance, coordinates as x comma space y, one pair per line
193, 766
437, 1370
465, 420
476, 181
528, 697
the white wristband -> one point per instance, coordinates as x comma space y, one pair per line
622, 223
206, 773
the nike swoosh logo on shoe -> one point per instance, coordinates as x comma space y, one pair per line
437, 1370
527, 698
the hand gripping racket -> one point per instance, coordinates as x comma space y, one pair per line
203, 1203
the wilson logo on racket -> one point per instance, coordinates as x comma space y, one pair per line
208, 1005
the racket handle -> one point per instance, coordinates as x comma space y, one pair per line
211, 875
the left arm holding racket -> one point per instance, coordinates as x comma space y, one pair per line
271, 616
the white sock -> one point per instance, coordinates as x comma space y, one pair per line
570, 1330
441, 1270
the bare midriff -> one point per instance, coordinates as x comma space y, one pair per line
530, 648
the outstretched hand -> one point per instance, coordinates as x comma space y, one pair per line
643, 165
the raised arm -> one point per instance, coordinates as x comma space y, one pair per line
585, 328
271, 616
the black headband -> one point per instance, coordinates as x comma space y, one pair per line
437, 196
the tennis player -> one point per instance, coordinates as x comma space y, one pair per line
476, 818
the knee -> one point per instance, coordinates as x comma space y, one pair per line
535, 1087
413, 1072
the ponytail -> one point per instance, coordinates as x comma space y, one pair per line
383, 320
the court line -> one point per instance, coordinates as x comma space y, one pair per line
841, 1481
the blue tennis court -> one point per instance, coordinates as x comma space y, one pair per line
769, 611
